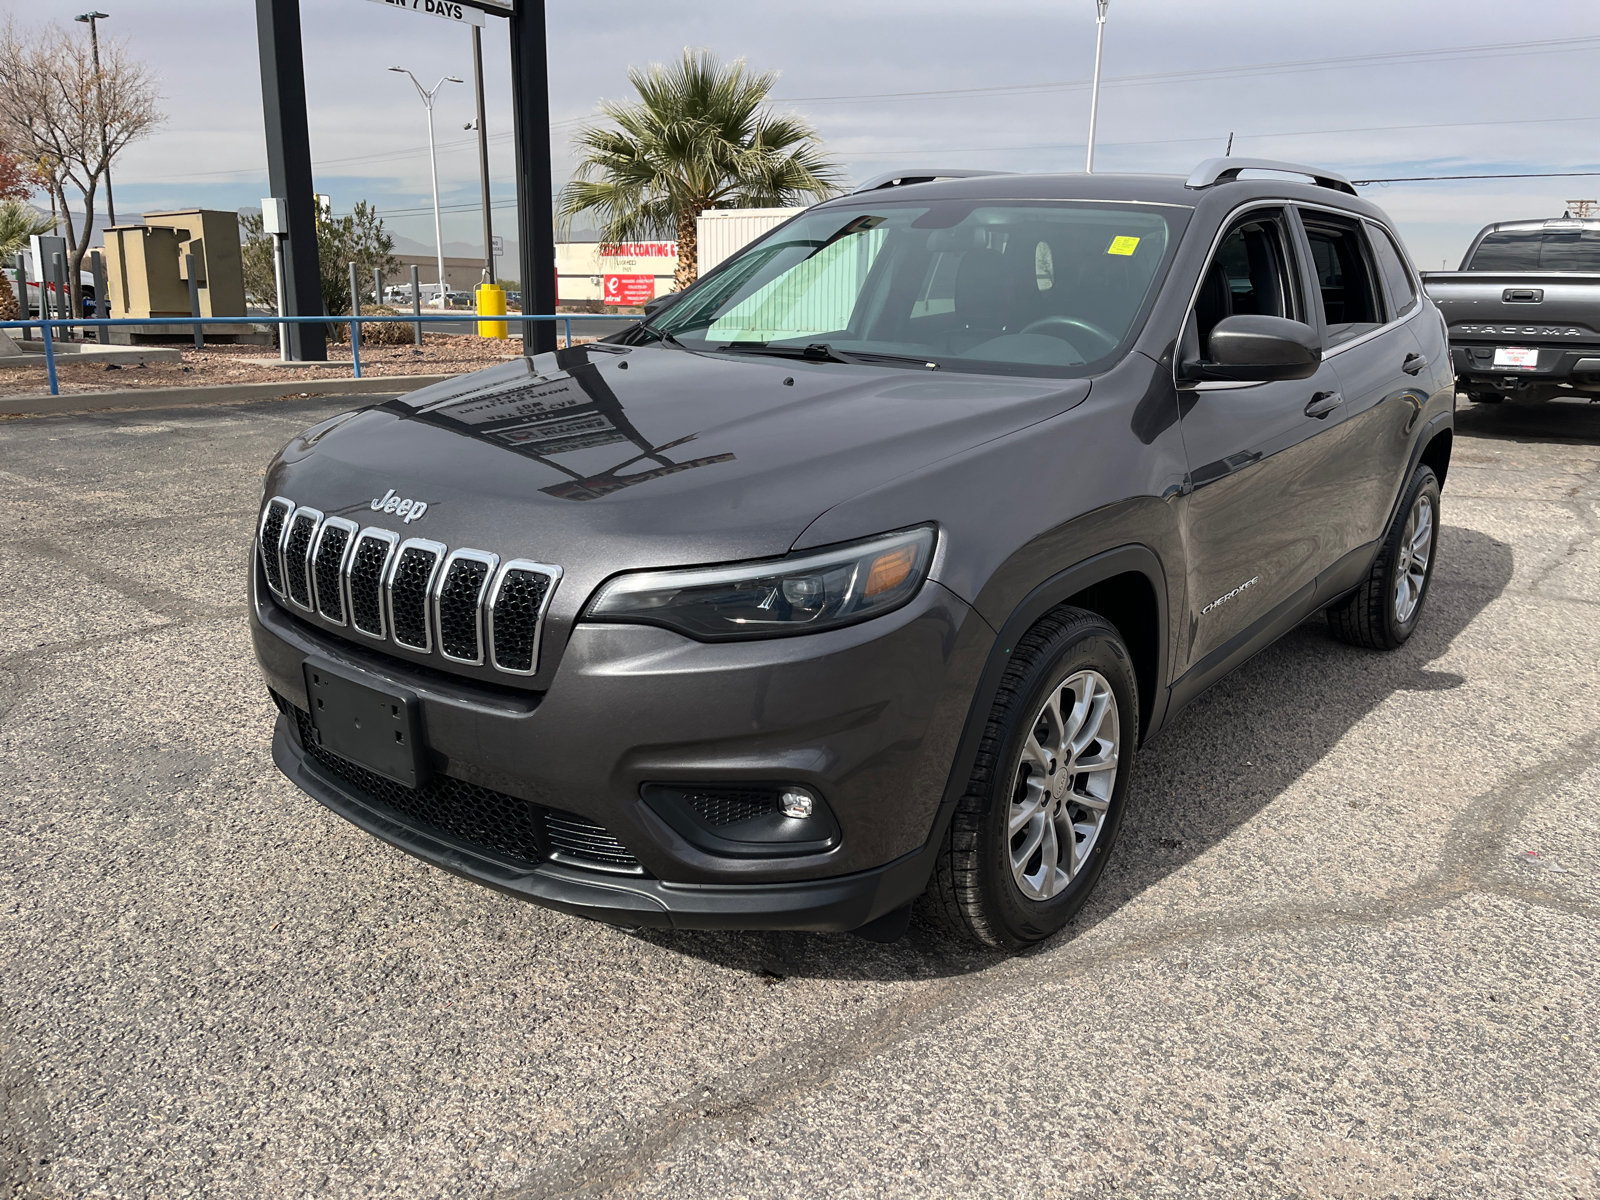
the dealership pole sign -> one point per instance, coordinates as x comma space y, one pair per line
448, 10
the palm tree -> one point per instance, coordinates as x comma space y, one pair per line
18, 223
699, 137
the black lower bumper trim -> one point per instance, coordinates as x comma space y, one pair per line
839, 904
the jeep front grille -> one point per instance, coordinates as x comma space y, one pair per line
409, 584
364, 574
272, 521
466, 575
327, 567
516, 608
297, 555
464, 605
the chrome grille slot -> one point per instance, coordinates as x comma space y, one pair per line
575, 837
517, 607
410, 585
327, 567
458, 606
365, 571
271, 538
297, 541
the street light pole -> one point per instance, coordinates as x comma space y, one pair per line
89, 19
1094, 90
433, 167
483, 152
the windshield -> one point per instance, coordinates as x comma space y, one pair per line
1538, 250
1045, 288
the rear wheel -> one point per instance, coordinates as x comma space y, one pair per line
1032, 834
1385, 610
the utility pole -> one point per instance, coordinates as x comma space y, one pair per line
483, 153
433, 167
1094, 90
89, 18
283, 96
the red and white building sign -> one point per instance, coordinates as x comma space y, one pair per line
629, 289
626, 275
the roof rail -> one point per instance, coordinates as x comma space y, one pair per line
920, 175
1226, 170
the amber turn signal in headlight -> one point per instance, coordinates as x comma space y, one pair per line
821, 589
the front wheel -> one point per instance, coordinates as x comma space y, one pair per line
1385, 610
1032, 834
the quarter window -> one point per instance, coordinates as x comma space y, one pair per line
1345, 280
1392, 265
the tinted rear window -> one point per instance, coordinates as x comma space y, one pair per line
1539, 250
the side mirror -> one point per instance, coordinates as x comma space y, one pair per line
1258, 349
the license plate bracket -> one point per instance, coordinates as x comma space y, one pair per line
1523, 357
367, 720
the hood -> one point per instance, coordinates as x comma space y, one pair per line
648, 456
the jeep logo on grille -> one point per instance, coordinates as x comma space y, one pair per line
407, 510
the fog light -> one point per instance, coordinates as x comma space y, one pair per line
797, 802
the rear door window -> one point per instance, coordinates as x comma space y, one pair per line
1397, 279
1346, 282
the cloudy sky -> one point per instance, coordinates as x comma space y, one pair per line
1373, 88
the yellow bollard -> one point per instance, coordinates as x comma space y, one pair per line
491, 303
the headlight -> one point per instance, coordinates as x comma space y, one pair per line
821, 589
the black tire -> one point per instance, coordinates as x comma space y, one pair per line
974, 893
1371, 616
1485, 397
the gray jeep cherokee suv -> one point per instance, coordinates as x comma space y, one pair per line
863, 569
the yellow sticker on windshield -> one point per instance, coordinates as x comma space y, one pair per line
1123, 245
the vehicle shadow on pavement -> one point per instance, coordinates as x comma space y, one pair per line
1251, 737
1194, 785
1555, 421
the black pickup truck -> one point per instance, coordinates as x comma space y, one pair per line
1524, 311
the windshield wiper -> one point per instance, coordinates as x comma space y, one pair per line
823, 352
662, 334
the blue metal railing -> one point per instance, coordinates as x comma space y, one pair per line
525, 319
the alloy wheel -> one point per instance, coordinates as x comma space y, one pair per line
1063, 784
1416, 552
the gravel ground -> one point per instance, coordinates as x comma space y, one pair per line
1345, 946
439, 354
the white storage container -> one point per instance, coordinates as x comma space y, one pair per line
724, 231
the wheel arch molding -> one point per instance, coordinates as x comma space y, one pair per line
1128, 580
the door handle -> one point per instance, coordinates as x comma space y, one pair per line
1323, 403
1414, 364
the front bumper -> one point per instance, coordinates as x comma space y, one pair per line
823, 905
867, 716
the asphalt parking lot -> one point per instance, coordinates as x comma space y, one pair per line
1346, 946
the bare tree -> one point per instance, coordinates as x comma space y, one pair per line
68, 121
